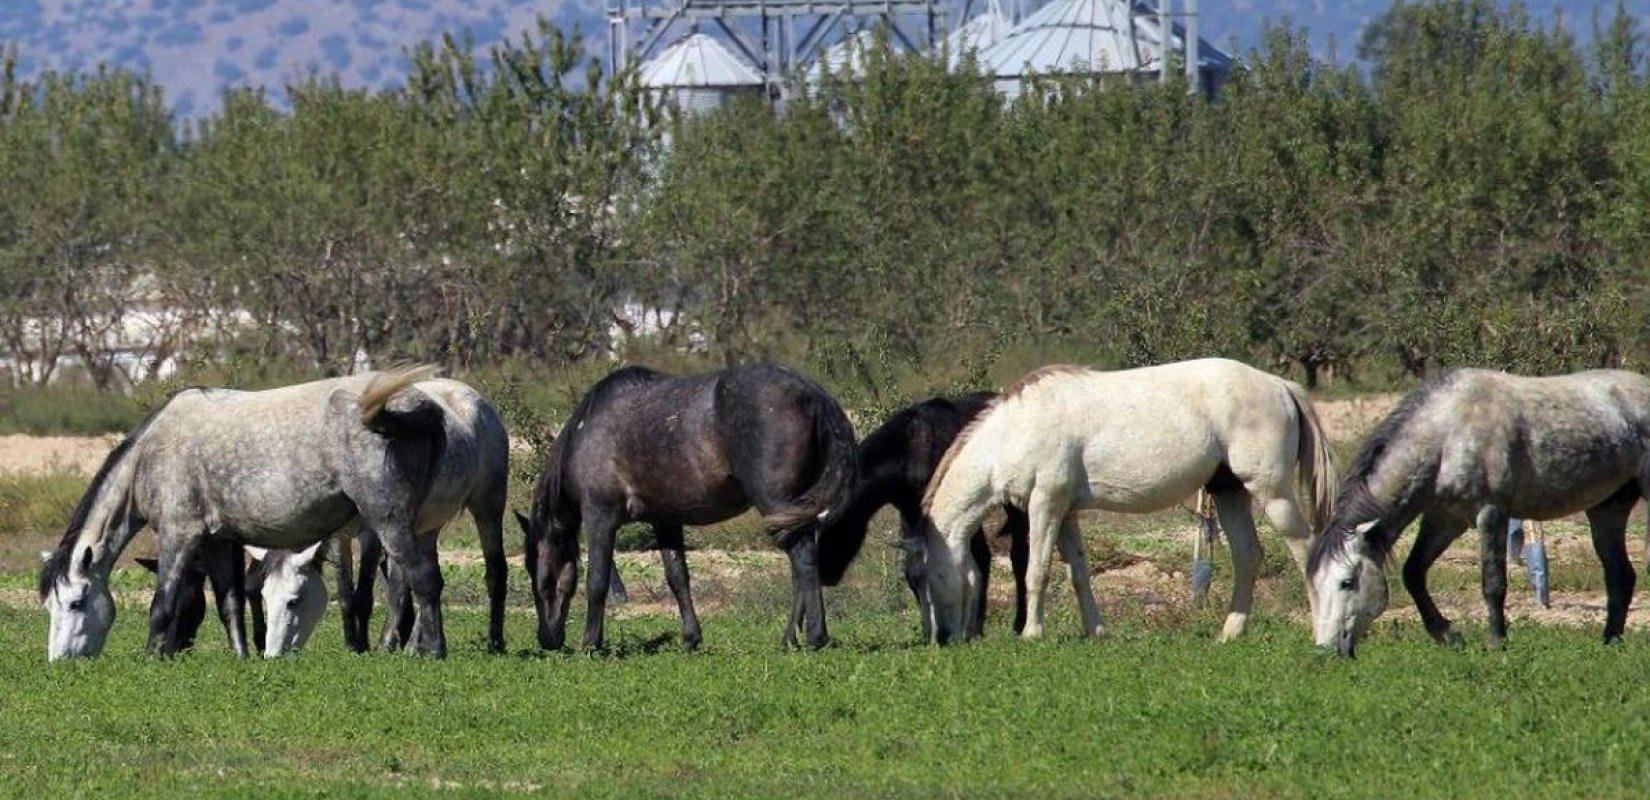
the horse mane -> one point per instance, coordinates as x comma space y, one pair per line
547, 492
57, 564
1355, 501
1013, 392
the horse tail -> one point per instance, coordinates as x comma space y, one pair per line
1319, 475
382, 411
832, 489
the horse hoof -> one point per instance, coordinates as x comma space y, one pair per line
1496, 643
1452, 640
1612, 640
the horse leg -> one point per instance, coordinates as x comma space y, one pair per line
399, 612
1285, 515
1608, 521
226, 568
176, 550
1239, 523
343, 551
980, 551
1433, 539
1071, 548
810, 597
600, 524
1045, 513
489, 518
1019, 553
1492, 568
358, 620
672, 554
414, 559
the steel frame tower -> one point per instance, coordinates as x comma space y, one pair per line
778, 36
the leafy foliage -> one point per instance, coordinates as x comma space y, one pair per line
1478, 195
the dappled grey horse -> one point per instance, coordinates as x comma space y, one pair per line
281, 468
472, 471
1473, 447
687, 450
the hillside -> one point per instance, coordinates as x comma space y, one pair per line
194, 48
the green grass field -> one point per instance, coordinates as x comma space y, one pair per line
1157, 709
1152, 710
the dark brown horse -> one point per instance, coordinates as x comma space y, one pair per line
895, 463
673, 450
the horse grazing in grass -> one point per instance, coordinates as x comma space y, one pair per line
1065, 438
690, 450
896, 462
471, 473
282, 468
1473, 447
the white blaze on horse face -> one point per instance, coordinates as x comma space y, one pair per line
944, 586
82, 612
295, 600
1352, 592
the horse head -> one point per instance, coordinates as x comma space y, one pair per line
1349, 582
294, 595
77, 597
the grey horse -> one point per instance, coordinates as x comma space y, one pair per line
1473, 447
282, 468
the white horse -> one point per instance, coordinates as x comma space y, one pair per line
1065, 439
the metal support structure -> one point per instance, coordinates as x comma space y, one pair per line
1194, 75
778, 36
1165, 31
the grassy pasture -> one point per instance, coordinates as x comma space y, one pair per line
1151, 711
1156, 709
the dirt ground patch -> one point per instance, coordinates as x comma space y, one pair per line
36, 455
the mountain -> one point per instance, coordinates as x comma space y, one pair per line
194, 48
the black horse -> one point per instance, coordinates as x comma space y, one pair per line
673, 450
895, 463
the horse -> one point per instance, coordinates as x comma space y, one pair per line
281, 468
291, 587
472, 474
896, 462
1065, 438
1474, 446
670, 451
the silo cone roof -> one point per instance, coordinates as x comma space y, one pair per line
846, 58
698, 60
977, 34
1086, 36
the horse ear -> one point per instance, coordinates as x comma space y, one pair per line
524, 522
258, 553
153, 565
1363, 529
305, 557
45, 555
